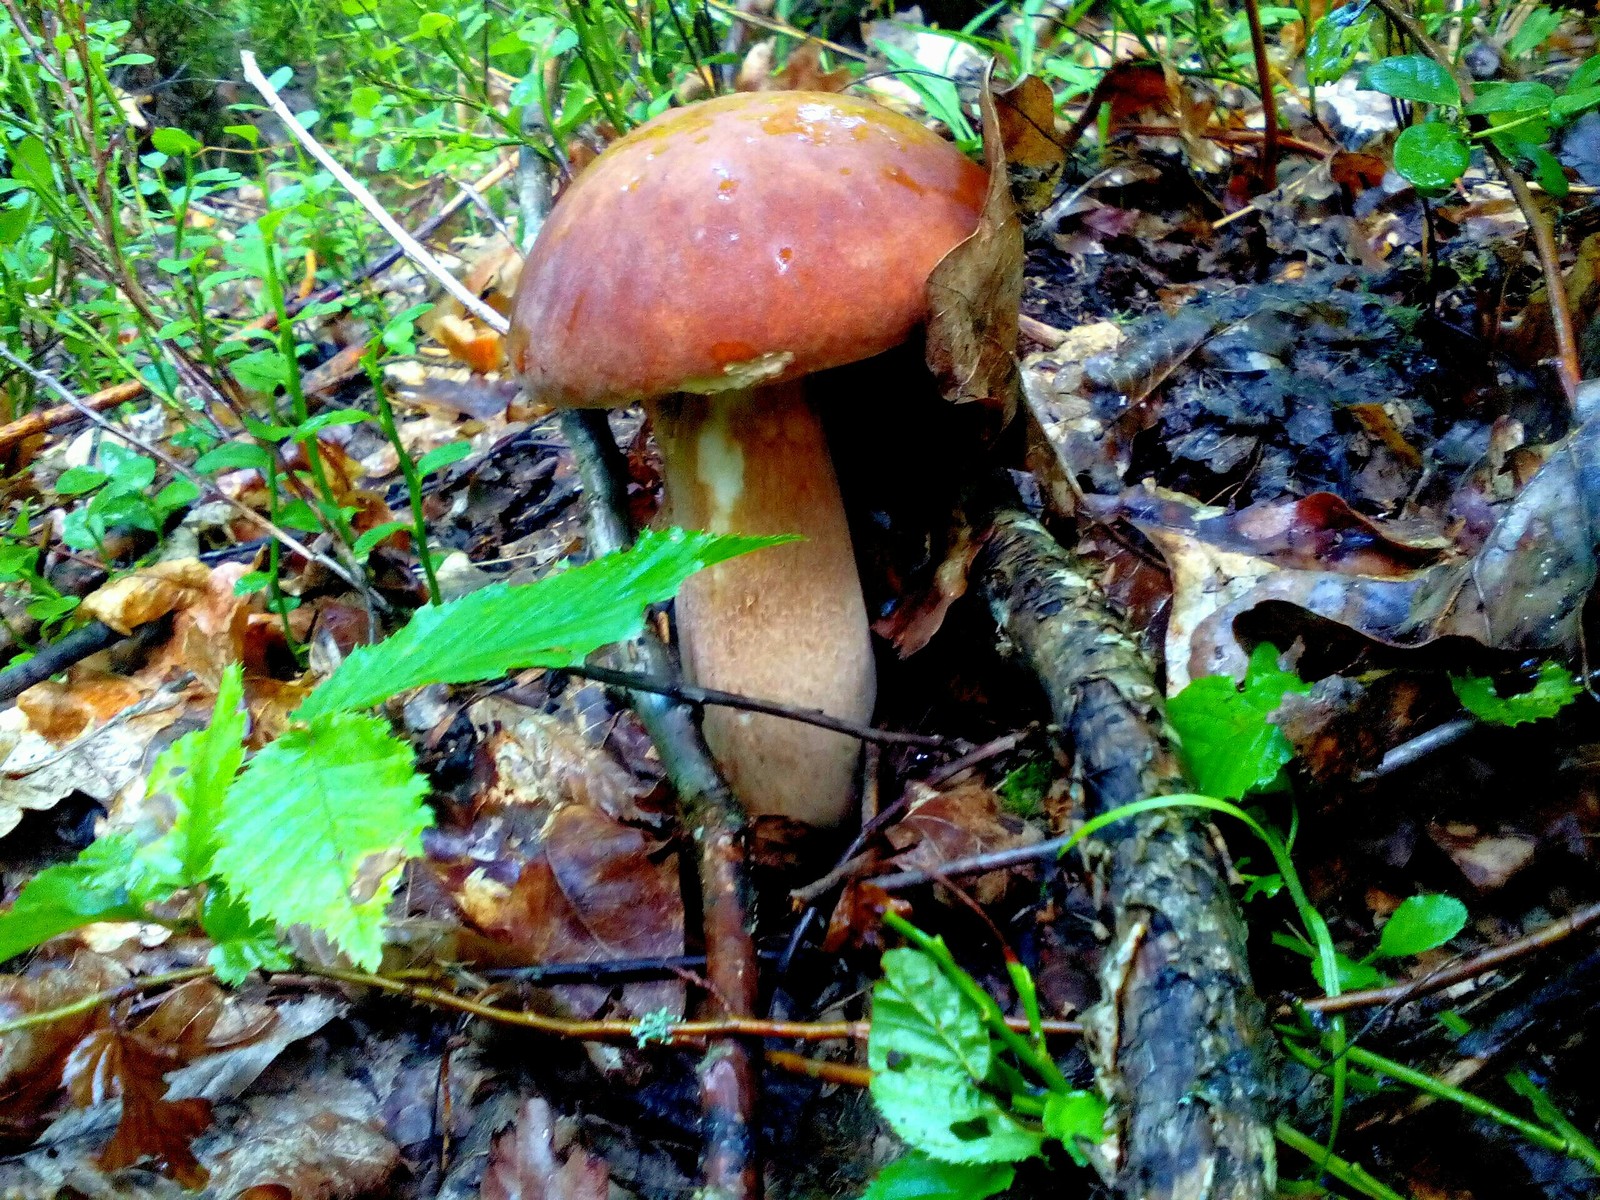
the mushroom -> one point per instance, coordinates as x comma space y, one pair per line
705, 264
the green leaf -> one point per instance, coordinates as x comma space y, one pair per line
1432, 156
246, 133
929, 1050
443, 456
1535, 31
1587, 75
1570, 103
243, 944
196, 771
174, 142
93, 887
309, 429
314, 812
30, 165
1546, 168
1554, 690
1520, 97
555, 622
1229, 744
1422, 923
1335, 41
373, 536
75, 481
915, 1176
1071, 1117
1412, 77
180, 493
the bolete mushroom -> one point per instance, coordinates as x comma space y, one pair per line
705, 264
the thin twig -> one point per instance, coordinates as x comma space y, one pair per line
46, 419
1544, 237
414, 249
89, 1003
1269, 106
1467, 968
688, 693
1418, 748
205, 485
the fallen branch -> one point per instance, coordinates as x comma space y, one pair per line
1178, 1038
414, 249
57, 656
46, 419
714, 823
1544, 237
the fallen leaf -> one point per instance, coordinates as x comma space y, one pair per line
147, 594
975, 293
960, 822
525, 1163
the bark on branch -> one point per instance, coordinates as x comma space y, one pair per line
1179, 1037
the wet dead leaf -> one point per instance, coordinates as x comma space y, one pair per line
1026, 113
526, 1163
958, 823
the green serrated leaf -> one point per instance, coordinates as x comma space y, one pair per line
93, 887
555, 622
310, 814
915, 1176
196, 772
1554, 689
1432, 156
243, 944
1412, 77
1230, 746
1422, 923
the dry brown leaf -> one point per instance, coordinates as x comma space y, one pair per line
526, 1163
975, 293
595, 890
804, 72
32, 1059
916, 619
147, 594
60, 712
958, 823
478, 347
1034, 158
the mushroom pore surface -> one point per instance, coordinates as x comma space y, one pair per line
704, 264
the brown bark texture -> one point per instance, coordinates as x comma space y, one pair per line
1178, 1038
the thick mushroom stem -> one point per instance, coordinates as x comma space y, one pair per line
786, 623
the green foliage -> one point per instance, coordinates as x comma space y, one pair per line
310, 817
1412, 77
118, 491
94, 887
1420, 924
916, 1176
1432, 156
1553, 689
967, 1093
556, 622
1230, 746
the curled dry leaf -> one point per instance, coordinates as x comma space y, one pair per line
147, 594
527, 1163
975, 293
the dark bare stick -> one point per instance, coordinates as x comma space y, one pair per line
688, 693
716, 825
1544, 237
1178, 1038
1269, 105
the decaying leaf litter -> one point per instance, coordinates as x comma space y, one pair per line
1312, 437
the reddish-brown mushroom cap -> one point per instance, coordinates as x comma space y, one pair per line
728, 249
745, 240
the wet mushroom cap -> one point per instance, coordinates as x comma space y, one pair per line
749, 239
